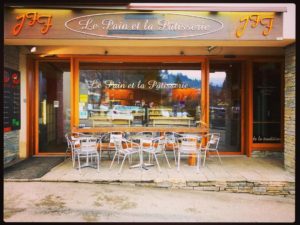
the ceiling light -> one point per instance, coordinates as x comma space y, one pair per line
33, 49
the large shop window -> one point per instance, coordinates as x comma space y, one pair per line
225, 104
139, 94
266, 103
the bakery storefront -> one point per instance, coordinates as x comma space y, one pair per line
155, 70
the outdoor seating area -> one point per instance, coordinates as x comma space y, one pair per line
163, 160
240, 174
87, 149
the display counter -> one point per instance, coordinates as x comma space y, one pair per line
161, 120
103, 129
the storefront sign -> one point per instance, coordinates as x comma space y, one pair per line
11, 104
92, 24
260, 139
254, 20
141, 25
151, 84
32, 18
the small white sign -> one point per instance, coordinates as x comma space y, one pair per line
56, 104
83, 114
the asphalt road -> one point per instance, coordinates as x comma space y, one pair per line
82, 202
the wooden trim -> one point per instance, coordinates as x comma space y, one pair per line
205, 93
204, 7
72, 65
261, 58
141, 59
282, 104
36, 107
225, 153
30, 73
243, 95
249, 83
50, 154
139, 129
267, 146
76, 93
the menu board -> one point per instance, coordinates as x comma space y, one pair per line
11, 100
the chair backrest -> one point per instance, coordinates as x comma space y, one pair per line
119, 144
68, 140
146, 133
213, 141
153, 144
188, 142
115, 135
74, 142
159, 144
170, 137
89, 144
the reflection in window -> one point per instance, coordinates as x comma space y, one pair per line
266, 103
224, 104
139, 95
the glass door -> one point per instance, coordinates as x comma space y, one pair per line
53, 106
225, 104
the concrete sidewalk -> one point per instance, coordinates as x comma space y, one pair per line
241, 174
84, 202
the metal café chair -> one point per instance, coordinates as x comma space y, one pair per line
106, 141
73, 141
171, 140
211, 145
188, 145
87, 150
72, 145
146, 136
124, 148
155, 147
69, 147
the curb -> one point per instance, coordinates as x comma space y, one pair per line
273, 188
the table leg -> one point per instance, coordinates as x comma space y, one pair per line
142, 165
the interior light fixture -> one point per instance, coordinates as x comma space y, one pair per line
33, 49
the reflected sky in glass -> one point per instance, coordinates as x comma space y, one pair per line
217, 78
192, 74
